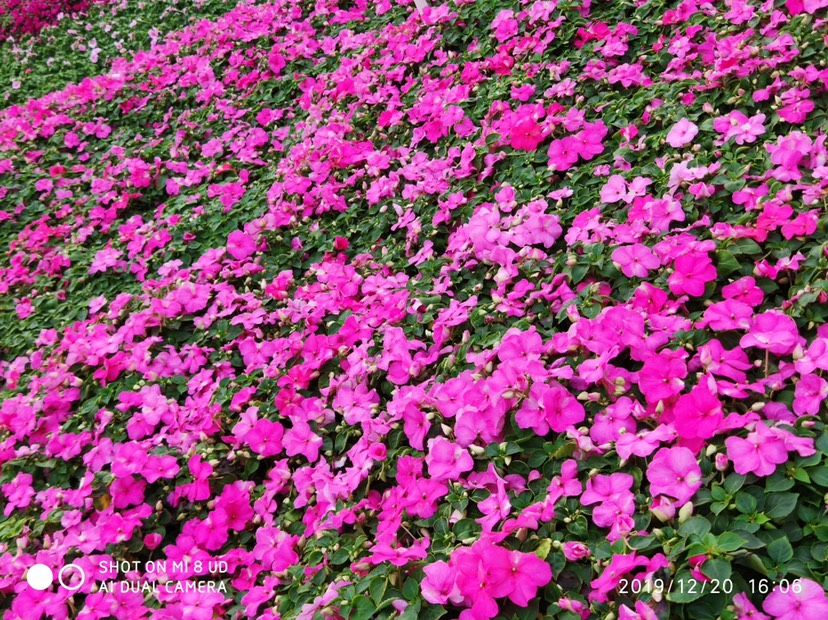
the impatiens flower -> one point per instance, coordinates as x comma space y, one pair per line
613, 496
446, 460
759, 453
806, 602
635, 260
574, 551
682, 133
692, 271
614, 190
698, 414
674, 472
526, 572
661, 377
742, 129
563, 153
240, 245
772, 330
302, 440
439, 586
810, 392
526, 134
745, 610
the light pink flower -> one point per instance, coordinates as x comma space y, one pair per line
674, 472
682, 133
635, 260
808, 603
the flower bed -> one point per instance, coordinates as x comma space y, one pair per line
19, 17
477, 311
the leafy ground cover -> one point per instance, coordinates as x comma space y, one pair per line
480, 311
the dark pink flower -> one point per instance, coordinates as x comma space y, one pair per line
240, 245
773, 331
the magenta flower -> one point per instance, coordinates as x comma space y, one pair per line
682, 133
240, 245
563, 153
526, 134
440, 584
302, 440
759, 453
526, 572
773, 331
698, 414
446, 460
661, 377
574, 551
613, 496
692, 271
806, 602
561, 409
811, 391
674, 472
635, 261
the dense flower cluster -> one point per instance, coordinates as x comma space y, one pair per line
395, 312
19, 17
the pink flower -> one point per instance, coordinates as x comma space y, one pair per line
661, 377
526, 134
265, 437
692, 271
674, 472
240, 245
682, 133
446, 460
614, 190
811, 391
773, 331
807, 602
635, 260
760, 453
613, 496
505, 25
563, 153
739, 127
526, 572
574, 551
302, 440
439, 586
745, 610
698, 414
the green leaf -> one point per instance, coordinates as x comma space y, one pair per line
733, 483
377, 589
819, 476
729, 542
543, 549
726, 263
717, 568
780, 505
694, 525
745, 503
685, 588
780, 551
362, 608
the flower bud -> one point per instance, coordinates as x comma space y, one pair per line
685, 512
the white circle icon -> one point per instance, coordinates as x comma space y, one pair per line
39, 576
71, 568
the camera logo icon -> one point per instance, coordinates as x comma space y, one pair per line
40, 577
